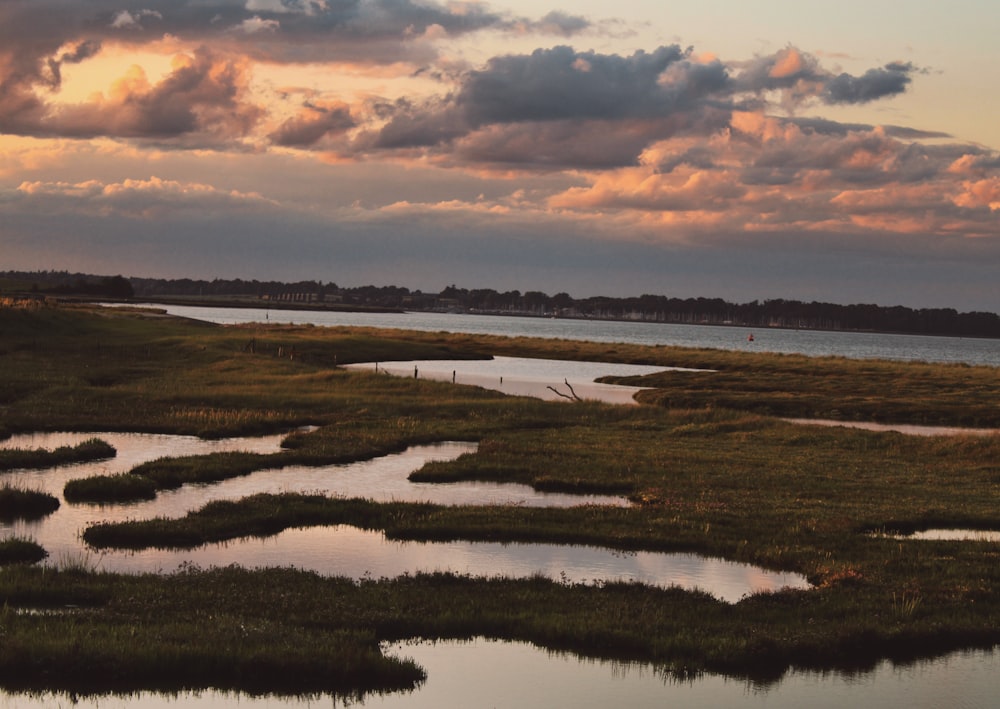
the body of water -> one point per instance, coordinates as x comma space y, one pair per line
855, 345
522, 376
343, 550
515, 675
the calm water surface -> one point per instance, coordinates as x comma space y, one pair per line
521, 676
855, 345
344, 550
523, 376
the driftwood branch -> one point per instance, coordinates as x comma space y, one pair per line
572, 394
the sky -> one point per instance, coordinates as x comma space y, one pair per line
839, 152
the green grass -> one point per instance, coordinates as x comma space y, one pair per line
708, 466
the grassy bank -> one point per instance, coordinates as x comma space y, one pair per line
19, 503
92, 449
709, 468
15, 550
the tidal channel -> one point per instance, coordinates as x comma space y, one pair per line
344, 550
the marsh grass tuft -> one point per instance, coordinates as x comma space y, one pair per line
89, 450
21, 503
17, 550
122, 487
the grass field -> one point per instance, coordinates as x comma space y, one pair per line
709, 466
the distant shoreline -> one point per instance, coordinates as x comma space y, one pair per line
255, 303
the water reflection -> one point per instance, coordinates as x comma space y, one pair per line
521, 676
950, 535
908, 429
524, 376
355, 553
347, 551
59, 532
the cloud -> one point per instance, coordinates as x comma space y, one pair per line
563, 108
124, 19
562, 24
314, 122
874, 84
255, 24
38, 38
561, 83
203, 98
149, 199
800, 78
770, 174
307, 7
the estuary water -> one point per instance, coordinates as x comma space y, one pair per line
521, 376
854, 345
515, 675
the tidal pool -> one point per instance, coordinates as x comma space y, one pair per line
524, 376
950, 535
348, 551
516, 675
906, 428
342, 550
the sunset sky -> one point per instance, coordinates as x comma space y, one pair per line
842, 152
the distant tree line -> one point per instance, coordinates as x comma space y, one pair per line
64, 283
646, 308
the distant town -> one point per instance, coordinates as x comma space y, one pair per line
778, 313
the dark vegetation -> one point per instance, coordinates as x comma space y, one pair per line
708, 470
652, 308
92, 449
121, 487
837, 388
17, 503
14, 550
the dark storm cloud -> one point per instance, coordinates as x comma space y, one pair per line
555, 108
316, 29
557, 144
38, 37
801, 77
547, 85
560, 83
84, 50
874, 84
828, 127
312, 125
560, 107
202, 95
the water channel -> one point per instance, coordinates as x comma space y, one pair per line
344, 550
815, 343
521, 376
542, 679
459, 673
